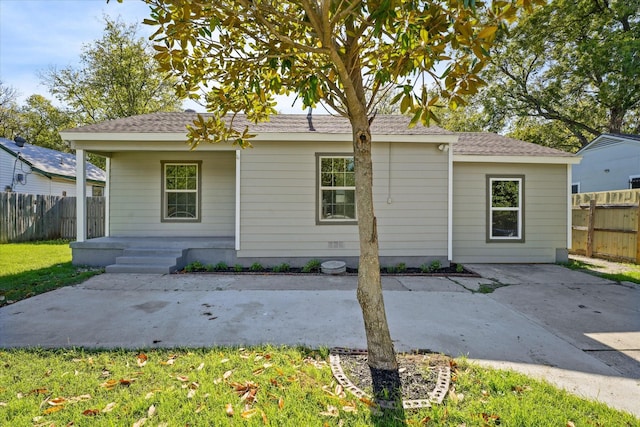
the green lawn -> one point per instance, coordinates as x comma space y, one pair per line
256, 387
631, 273
28, 269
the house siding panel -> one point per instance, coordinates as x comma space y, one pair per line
545, 217
278, 202
136, 194
607, 168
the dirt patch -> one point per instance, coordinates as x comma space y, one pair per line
424, 376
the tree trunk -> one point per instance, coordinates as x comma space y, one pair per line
381, 354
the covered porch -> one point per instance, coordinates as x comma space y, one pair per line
153, 254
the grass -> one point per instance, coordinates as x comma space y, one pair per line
631, 273
255, 387
29, 269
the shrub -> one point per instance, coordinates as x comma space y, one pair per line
221, 266
391, 269
313, 266
459, 268
256, 266
281, 268
195, 266
401, 267
238, 268
435, 265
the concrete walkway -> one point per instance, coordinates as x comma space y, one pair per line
572, 329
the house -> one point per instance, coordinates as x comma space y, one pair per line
609, 162
438, 195
26, 168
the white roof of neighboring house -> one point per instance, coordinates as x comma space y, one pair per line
50, 163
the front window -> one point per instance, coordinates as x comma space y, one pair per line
181, 192
337, 189
505, 200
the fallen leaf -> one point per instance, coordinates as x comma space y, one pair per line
280, 403
249, 413
140, 422
109, 384
53, 409
331, 411
3, 403
57, 401
224, 360
39, 391
149, 395
91, 412
151, 411
109, 407
126, 382
370, 403
200, 408
182, 378
570, 424
191, 393
228, 409
200, 367
227, 374
141, 359
350, 408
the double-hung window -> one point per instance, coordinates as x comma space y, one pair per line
181, 191
336, 189
505, 209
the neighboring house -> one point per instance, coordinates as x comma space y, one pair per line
609, 162
26, 168
439, 195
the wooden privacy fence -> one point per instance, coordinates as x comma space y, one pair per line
607, 225
28, 217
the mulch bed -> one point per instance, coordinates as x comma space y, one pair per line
424, 376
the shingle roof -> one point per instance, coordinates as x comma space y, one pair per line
492, 144
469, 143
279, 123
50, 162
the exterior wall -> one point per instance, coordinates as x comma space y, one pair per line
545, 214
621, 160
278, 202
36, 183
135, 194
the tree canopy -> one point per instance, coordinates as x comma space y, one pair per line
345, 54
569, 71
116, 77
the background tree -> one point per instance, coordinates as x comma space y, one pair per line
571, 68
342, 53
117, 77
41, 122
9, 124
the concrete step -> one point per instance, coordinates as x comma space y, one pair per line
141, 268
145, 252
147, 260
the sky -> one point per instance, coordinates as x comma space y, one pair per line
36, 35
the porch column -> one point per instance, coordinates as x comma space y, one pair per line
237, 200
81, 196
107, 186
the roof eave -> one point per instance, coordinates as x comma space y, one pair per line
87, 140
481, 158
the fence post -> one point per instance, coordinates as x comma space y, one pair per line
590, 227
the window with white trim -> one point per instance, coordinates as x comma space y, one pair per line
181, 191
505, 209
336, 189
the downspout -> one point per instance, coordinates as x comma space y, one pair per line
450, 204
237, 231
569, 208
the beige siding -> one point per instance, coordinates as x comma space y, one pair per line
278, 202
545, 213
136, 194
